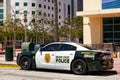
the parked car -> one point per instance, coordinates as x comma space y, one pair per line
71, 56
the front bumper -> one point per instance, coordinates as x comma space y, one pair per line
100, 65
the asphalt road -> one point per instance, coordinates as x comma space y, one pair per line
17, 74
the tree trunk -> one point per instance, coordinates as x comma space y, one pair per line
56, 21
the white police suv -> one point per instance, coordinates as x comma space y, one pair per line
66, 56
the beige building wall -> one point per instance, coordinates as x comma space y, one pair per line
89, 5
92, 30
92, 26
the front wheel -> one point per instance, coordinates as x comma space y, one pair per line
79, 67
25, 63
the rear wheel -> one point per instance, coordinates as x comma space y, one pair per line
25, 63
79, 67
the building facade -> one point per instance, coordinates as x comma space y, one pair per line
1, 12
101, 21
77, 5
42, 8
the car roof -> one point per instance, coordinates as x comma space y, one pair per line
78, 45
64, 42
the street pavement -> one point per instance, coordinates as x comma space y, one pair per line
17, 74
115, 69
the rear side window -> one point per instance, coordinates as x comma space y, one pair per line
67, 47
51, 47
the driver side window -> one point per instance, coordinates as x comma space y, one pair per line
51, 47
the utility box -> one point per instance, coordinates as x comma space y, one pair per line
27, 47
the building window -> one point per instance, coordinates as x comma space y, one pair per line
25, 16
111, 29
59, 23
1, 16
48, 0
52, 8
1, 22
40, 13
68, 10
17, 12
25, 4
44, 6
59, 10
48, 7
52, 1
48, 15
45, 14
59, 17
80, 3
33, 12
33, 20
40, 5
1, 11
25, 12
40, 21
52, 16
59, 3
33, 4
110, 4
16, 3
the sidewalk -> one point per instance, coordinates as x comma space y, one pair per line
3, 61
116, 65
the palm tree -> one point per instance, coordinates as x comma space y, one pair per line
56, 20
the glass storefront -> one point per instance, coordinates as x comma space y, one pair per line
108, 4
111, 29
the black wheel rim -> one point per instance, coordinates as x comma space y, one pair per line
79, 67
25, 63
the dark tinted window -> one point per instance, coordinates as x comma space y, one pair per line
33, 4
52, 47
17, 4
66, 47
25, 4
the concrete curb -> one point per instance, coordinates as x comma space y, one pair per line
9, 66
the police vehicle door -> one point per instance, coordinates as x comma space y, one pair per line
46, 59
65, 56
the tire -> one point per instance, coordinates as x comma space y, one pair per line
79, 67
25, 63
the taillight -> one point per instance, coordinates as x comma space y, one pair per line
100, 55
103, 55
